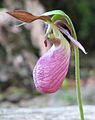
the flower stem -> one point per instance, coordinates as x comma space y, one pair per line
77, 74
78, 89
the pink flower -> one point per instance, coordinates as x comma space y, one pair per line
51, 69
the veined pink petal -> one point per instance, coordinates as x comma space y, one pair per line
75, 42
51, 69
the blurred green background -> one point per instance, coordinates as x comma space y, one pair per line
19, 51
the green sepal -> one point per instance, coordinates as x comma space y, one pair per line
57, 15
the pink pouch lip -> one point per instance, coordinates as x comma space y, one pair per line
49, 72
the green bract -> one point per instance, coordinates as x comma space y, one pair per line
57, 15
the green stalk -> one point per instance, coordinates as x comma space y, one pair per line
77, 75
78, 89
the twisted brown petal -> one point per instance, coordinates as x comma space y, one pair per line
26, 16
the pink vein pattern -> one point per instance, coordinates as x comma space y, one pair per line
51, 69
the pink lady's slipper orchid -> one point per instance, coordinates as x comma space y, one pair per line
51, 69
